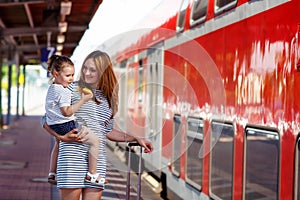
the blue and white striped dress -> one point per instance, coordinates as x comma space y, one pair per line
72, 164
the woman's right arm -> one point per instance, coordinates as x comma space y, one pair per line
49, 130
69, 137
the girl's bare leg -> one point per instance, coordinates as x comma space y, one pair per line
94, 142
91, 194
70, 194
53, 160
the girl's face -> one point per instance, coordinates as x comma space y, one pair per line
65, 76
90, 73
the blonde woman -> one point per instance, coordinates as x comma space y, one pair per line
96, 73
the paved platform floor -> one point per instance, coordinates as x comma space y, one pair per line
24, 162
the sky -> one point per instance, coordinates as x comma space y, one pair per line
112, 18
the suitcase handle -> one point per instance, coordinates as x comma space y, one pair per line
131, 144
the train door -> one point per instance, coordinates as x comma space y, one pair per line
122, 112
154, 103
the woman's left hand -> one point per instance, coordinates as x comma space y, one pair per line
146, 144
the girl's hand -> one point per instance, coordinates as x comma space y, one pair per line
86, 96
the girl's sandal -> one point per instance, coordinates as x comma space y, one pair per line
95, 179
51, 178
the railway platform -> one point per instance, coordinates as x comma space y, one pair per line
24, 161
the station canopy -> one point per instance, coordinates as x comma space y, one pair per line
29, 27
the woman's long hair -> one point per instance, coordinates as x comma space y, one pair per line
107, 80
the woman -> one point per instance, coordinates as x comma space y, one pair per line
98, 115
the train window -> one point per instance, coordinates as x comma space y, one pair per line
176, 153
181, 15
123, 64
261, 164
199, 10
194, 152
223, 5
221, 167
141, 80
297, 171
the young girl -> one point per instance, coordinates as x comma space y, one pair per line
59, 112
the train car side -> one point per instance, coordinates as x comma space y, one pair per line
219, 100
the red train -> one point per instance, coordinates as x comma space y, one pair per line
215, 86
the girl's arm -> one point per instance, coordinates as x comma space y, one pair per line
68, 111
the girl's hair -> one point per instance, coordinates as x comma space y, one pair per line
107, 80
56, 63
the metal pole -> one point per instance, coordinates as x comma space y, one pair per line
9, 87
1, 114
18, 84
9, 94
23, 95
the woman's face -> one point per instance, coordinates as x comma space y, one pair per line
90, 73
